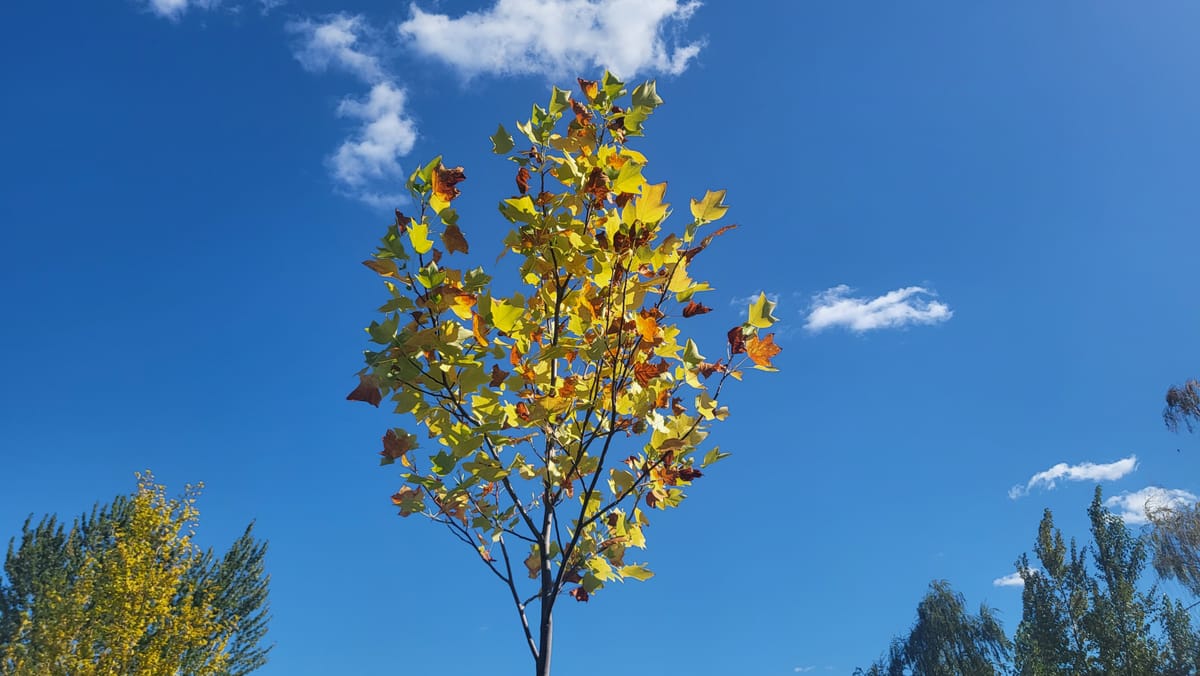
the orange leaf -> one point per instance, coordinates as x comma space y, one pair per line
579, 594
589, 88
646, 372
523, 180
445, 180
693, 308
522, 411
479, 329
761, 351
454, 240
646, 325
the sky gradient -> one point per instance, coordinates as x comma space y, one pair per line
978, 220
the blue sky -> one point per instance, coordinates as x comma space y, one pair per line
978, 219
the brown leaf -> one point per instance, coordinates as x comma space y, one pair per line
407, 499
385, 267
761, 351
533, 563
707, 369
645, 372
582, 115
689, 254
445, 180
454, 240
689, 473
498, 376
579, 594
573, 576
396, 445
544, 198
514, 355
693, 308
523, 180
522, 411
367, 390
596, 184
437, 256
402, 222
737, 341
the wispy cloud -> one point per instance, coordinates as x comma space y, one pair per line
557, 37
743, 301
1132, 507
367, 164
174, 9
1013, 579
910, 305
1085, 471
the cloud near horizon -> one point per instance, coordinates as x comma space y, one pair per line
1132, 507
1084, 471
556, 38
894, 309
1013, 579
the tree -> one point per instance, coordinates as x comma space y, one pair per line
563, 413
946, 640
125, 590
1092, 615
1183, 405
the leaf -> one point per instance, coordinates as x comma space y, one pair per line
408, 499
498, 376
589, 88
479, 329
761, 351
645, 372
689, 254
453, 240
444, 186
395, 444
502, 141
713, 456
650, 207
533, 563
737, 340
418, 235
645, 95
523, 180
401, 221
506, 314
367, 390
693, 308
711, 208
637, 571
579, 594
760, 312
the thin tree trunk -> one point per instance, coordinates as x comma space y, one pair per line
545, 639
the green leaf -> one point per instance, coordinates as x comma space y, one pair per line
713, 456
506, 313
629, 179
646, 95
502, 141
637, 571
560, 99
760, 312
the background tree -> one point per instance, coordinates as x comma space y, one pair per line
565, 412
126, 591
1087, 611
946, 640
1183, 405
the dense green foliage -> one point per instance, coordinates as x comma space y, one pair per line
1086, 611
124, 590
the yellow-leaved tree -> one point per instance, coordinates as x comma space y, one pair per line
567, 406
127, 591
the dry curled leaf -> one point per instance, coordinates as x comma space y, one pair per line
693, 308
445, 180
523, 180
367, 390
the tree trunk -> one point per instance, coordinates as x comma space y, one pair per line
545, 640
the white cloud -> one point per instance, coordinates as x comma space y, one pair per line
173, 9
743, 301
1011, 580
1085, 471
557, 37
337, 42
1132, 506
367, 164
801, 670
835, 307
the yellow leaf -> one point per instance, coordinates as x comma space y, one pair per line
650, 208
506, 314
418, 235
711, 208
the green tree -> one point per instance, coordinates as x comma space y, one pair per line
564, 411
1087, 611
125, 590
947, 640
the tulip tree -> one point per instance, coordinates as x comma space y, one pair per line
561, 411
